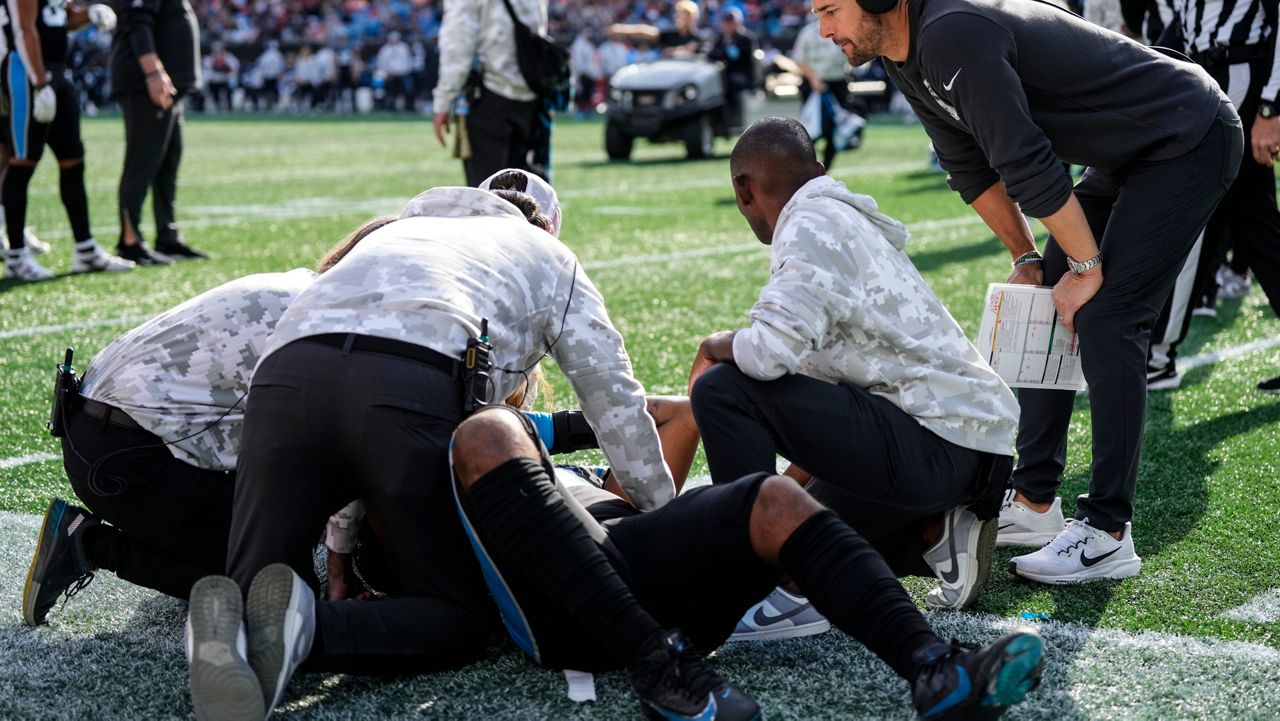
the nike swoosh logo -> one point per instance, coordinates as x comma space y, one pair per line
947, 85
763, 619
952, 574
1007, 525
1091, 561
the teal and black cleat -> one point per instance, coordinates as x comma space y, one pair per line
675, 684
59, 566
959, 682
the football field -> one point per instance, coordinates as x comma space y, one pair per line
1196, 635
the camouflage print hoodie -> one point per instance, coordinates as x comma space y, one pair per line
844, 304
183, 374
458, 255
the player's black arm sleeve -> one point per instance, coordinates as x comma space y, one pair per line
971, 61
572, 433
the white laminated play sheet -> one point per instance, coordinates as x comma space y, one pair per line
1025, 342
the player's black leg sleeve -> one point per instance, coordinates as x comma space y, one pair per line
848, 582
14, 197
74, 199
529, 530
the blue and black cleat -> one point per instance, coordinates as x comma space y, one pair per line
675, 684
960, 682
59, 566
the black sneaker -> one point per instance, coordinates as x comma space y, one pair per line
673, 682
178, 250
1163, 379
963, 682
139, 254
60, 566
1271, 385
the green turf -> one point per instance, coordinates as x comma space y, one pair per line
271, 195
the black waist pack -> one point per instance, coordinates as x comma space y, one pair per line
544, 65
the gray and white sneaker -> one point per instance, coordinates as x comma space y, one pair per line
1079, 554
781, 614
90, 258
961, 559
281, 616
20, 264
223, 686
1021, 526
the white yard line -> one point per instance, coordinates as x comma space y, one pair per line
81, 325
1263, 609
16, 461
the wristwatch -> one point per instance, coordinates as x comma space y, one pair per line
1267, 110
1080, 268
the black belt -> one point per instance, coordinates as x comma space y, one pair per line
1232, 54
390, 346
107, 413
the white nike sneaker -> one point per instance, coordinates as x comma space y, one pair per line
1021, 526
781, 614
21, 265
94, 260
961, 559
1080, 553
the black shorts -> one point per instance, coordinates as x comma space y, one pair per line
22, 135
690, 564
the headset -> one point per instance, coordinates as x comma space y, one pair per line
878, 7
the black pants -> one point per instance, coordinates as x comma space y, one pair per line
1147, 219
839, 89
500, 130
152, 153
324, 427
873, 464
690, 564
170, 519
1246, 219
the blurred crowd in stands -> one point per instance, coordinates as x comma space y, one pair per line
305, 55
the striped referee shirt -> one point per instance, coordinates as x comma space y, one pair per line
1207, 24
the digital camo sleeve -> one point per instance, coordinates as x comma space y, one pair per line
459, 39
591, 354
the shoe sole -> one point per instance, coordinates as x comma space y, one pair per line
223, 686
774, 634
1127, 568
1165, 384
1019, 673
31, 589
279, 608
1035, 540
980, 548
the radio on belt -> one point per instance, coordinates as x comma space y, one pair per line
476, 364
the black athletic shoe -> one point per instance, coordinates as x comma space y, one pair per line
59, 566
673, 682
959, 682
139, 254
178, 250
1271, 385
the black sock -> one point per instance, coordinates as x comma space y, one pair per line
98, 547
528, 529
74, 199
13, 195
848, 582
